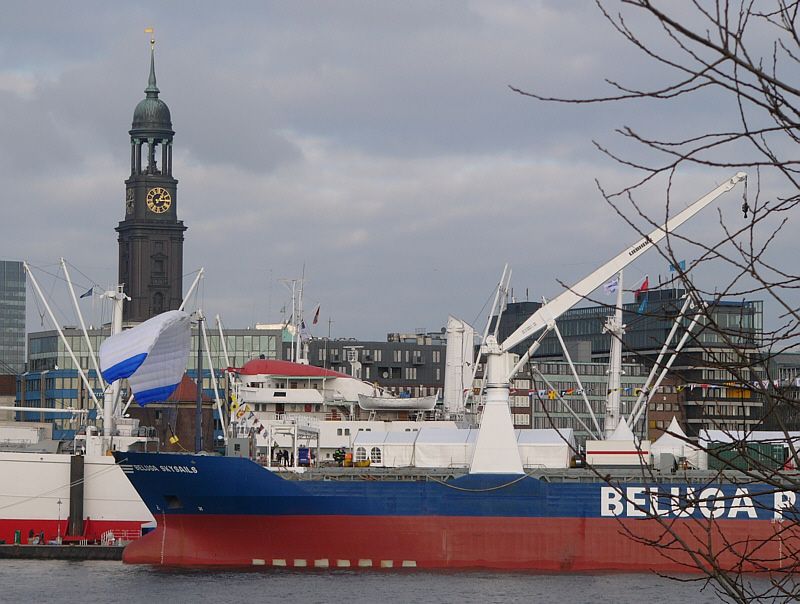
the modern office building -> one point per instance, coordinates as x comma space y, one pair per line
12, 317
405, 364
781, 389
711, 369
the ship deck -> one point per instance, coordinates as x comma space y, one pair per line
607, 475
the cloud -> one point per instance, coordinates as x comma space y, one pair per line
375, 146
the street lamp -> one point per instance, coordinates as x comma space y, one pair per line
59, 522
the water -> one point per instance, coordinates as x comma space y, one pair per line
30, 581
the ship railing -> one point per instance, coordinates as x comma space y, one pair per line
119, 536
16, 443
299, 419
332, 396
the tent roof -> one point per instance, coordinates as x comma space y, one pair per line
365, 438
452, 436
622, 432
728, 436
544, 436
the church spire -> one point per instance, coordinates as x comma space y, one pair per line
152, 90
151, 236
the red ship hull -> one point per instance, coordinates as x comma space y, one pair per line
541, 544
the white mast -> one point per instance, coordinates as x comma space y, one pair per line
614, 327
297, 316
68, 348
112, 394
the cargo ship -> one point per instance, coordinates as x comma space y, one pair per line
496, 513
224, 511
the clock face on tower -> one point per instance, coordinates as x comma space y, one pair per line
158, 200
129, 201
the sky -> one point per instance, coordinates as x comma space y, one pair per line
375, 149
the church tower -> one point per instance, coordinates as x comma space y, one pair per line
151, 236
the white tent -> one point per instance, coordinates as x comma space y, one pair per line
707, 437
385, 449
453, 448
622, 448
675, 442
444, 448
546, 448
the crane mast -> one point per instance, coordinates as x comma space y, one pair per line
496, 448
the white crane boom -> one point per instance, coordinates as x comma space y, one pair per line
496, 450
562, 303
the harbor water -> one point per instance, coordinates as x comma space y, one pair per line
33, 581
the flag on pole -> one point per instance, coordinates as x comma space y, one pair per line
149, 30
612, 286
681, 265
642, 290
316, 315
89, 293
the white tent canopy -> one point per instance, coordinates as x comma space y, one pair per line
674, 441
385, 449
707, 437
453, 448
547, 447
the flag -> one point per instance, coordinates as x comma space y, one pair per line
612, 286
304, 333
149, 30
89, 293
642, 288
681, 265
283, 310
643, 305
316, 316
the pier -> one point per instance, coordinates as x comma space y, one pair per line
61, 552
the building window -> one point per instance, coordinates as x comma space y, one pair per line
361, 454
522, 419
375, 455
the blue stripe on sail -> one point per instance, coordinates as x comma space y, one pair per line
124, 368
155, 395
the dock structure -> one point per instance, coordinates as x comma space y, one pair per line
61, 552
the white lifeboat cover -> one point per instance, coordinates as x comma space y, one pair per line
152, 356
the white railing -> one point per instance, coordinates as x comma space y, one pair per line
119, 536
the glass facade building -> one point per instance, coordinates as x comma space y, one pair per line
12, 317
720, 355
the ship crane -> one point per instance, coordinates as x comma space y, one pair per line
496, 450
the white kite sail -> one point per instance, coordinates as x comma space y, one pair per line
152, 356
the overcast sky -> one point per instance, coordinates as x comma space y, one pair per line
375, 145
